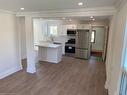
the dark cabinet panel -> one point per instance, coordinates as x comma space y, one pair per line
69, 49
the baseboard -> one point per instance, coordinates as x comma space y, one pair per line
110, 91
9, 72
106, 85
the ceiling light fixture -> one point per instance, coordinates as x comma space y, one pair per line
22, 9
80, 3
91, 17
70, 20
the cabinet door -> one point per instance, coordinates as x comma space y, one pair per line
80, 26
62, 30
84, 26
71, 26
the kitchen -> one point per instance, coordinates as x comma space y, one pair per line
69, 32
69, 37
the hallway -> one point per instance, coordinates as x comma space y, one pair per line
70, 77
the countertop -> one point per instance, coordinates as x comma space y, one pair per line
48, 45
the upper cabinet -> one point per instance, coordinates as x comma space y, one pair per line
71, 26
84, 26
62, 30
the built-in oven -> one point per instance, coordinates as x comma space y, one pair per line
69, 49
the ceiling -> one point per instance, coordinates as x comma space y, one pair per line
45, 5
88, 18
84, 18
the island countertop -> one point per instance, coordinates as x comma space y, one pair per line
48, 45
49, 52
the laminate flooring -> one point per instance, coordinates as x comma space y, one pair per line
70, 77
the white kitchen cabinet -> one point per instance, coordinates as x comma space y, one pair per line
84, 26
49, 52
62, 40
62, 30
71, 26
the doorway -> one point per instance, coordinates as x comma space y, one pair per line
99, 40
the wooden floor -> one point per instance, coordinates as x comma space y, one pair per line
70, 77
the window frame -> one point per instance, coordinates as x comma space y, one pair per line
49, 33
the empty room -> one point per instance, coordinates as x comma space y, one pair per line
63, 47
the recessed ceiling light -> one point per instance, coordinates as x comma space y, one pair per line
80, 3
70, 20
91, 17
22, 8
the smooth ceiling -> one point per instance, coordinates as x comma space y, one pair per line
45, 5
78, 18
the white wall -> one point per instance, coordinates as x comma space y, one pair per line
9, 48
31, 53
115, 48
99, 39
100, 23
21, 30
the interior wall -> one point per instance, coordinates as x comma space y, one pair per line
99, 39
115, 49
21, 30
32, 58
100, 23
9, 47
41, 29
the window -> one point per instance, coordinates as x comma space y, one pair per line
52, 30
93, 36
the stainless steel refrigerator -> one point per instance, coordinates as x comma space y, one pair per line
82, 44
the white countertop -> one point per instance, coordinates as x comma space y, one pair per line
48, 45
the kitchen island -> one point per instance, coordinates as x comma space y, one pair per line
49, 52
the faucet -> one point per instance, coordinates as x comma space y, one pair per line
52, 38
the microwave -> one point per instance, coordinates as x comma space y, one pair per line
71, 32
